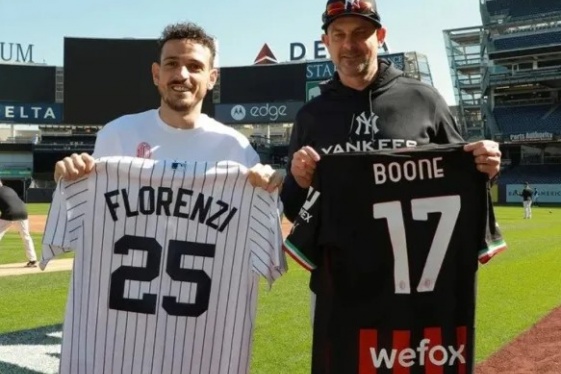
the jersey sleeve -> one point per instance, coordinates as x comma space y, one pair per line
265, 236
302, 244
493, 242
65, 219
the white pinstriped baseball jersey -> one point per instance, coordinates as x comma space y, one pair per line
168, 258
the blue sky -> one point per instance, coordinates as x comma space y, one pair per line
241, 26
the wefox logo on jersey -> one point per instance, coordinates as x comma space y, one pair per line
311, 199
428, 353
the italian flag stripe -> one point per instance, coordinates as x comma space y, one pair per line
293, 251
494, 248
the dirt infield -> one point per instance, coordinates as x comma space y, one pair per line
36, 224
537, 351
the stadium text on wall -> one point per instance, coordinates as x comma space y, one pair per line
15, 52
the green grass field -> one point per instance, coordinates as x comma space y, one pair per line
38, 208
11, 248
515, 290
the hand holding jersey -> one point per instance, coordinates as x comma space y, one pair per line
265, 177
303, 166
74, 167
487, 156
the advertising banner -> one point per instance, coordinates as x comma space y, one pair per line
547, 193
531, 136
257, 113
318, 71
312, 90
30, 113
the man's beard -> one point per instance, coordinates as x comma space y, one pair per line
359, 68
177, 105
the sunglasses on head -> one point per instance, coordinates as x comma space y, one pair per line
357, 7
340, 7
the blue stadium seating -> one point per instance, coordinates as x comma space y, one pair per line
521, 119
534, 174
522, 8
526, 41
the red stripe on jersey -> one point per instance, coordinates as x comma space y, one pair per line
368, 340
461, 337
401, 341
434, 353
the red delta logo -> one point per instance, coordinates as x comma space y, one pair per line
429, 353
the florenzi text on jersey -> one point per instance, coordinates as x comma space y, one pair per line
409, 170
182, 203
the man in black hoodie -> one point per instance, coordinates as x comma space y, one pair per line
368, 105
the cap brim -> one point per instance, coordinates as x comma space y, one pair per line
365, 16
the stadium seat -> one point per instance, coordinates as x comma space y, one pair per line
522, 8
534, 174
513, 120
527, 41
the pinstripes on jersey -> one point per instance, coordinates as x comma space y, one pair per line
98, 339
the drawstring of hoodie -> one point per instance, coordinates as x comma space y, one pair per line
371, 110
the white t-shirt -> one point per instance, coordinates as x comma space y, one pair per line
146, 135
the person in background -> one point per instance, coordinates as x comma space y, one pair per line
535, 198
13, 211
527, 194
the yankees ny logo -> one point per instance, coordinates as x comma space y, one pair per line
366, 125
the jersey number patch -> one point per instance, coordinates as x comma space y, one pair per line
392, 211
176, 249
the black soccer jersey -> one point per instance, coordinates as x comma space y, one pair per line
394, 240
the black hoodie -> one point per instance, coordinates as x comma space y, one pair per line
392, 112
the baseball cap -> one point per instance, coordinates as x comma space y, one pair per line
362, 8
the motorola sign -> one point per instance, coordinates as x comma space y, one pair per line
257, 113
238, 113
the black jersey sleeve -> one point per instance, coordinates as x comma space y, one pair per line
493, 242
292, 195
302, 242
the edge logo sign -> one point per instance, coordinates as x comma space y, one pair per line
270, 112
257, 112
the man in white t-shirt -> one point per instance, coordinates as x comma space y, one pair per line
177, 130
